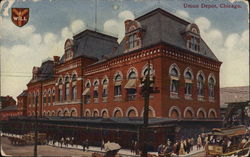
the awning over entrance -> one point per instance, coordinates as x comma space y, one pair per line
86, 91
130, 84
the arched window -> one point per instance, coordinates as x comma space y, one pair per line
86, 93
188, 83
131, 86
118, 78
200, 85
104, 114
132, 75
87, 114
44, 98
174, 85
74, 87
117, 88
104, 90
211, 84
174, 114
60, 92
95, 114
95, 95
49, 97
66, 88
132, 113
118, 113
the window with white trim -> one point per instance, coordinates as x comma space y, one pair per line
174, 80
66, 88
200, 85
188, 83
211, 85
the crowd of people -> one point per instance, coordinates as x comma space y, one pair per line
182, 146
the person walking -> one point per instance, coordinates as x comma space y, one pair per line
102, 144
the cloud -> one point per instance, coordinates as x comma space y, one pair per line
29, 50
116, 26
182, 13
8, 6
203, 23
77, 26
232, 50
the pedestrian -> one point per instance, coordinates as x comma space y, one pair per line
159, 149
182, 151
102, 144
199, 142
83, 146
132, 147
87, 144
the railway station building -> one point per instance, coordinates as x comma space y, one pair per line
97, 77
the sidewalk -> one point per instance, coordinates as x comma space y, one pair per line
122, 152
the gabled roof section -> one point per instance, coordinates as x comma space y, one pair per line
93, 44
161, 26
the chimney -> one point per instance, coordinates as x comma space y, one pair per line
56, 59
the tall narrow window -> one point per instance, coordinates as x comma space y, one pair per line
188, 83
66, 88
86, 93
200, 85
95, 95
132, 41
211, 84
131, 86
118, 91
74, 88
104, 90
174, 80
60, 92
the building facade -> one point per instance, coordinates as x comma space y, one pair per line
11, 109
98, 77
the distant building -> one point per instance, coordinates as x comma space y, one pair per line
6, 101
12, 109
233, 94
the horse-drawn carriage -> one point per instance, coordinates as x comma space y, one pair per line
28, 139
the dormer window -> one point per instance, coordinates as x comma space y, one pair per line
132, 41
193, 44
68, 48
192, 35
133, 34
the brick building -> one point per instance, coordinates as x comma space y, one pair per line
99, 77
11, 109
6, 101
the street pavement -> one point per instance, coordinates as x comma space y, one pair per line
49, 150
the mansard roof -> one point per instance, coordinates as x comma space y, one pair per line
45, 72
92, 44
161, 26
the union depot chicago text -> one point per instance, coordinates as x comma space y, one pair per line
98, 77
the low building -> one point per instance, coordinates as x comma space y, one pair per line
6, 101
233, 95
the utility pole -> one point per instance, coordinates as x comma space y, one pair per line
146, 93
35, 140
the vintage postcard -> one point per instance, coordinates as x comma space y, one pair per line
129, 78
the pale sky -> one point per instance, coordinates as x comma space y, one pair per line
51, 22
